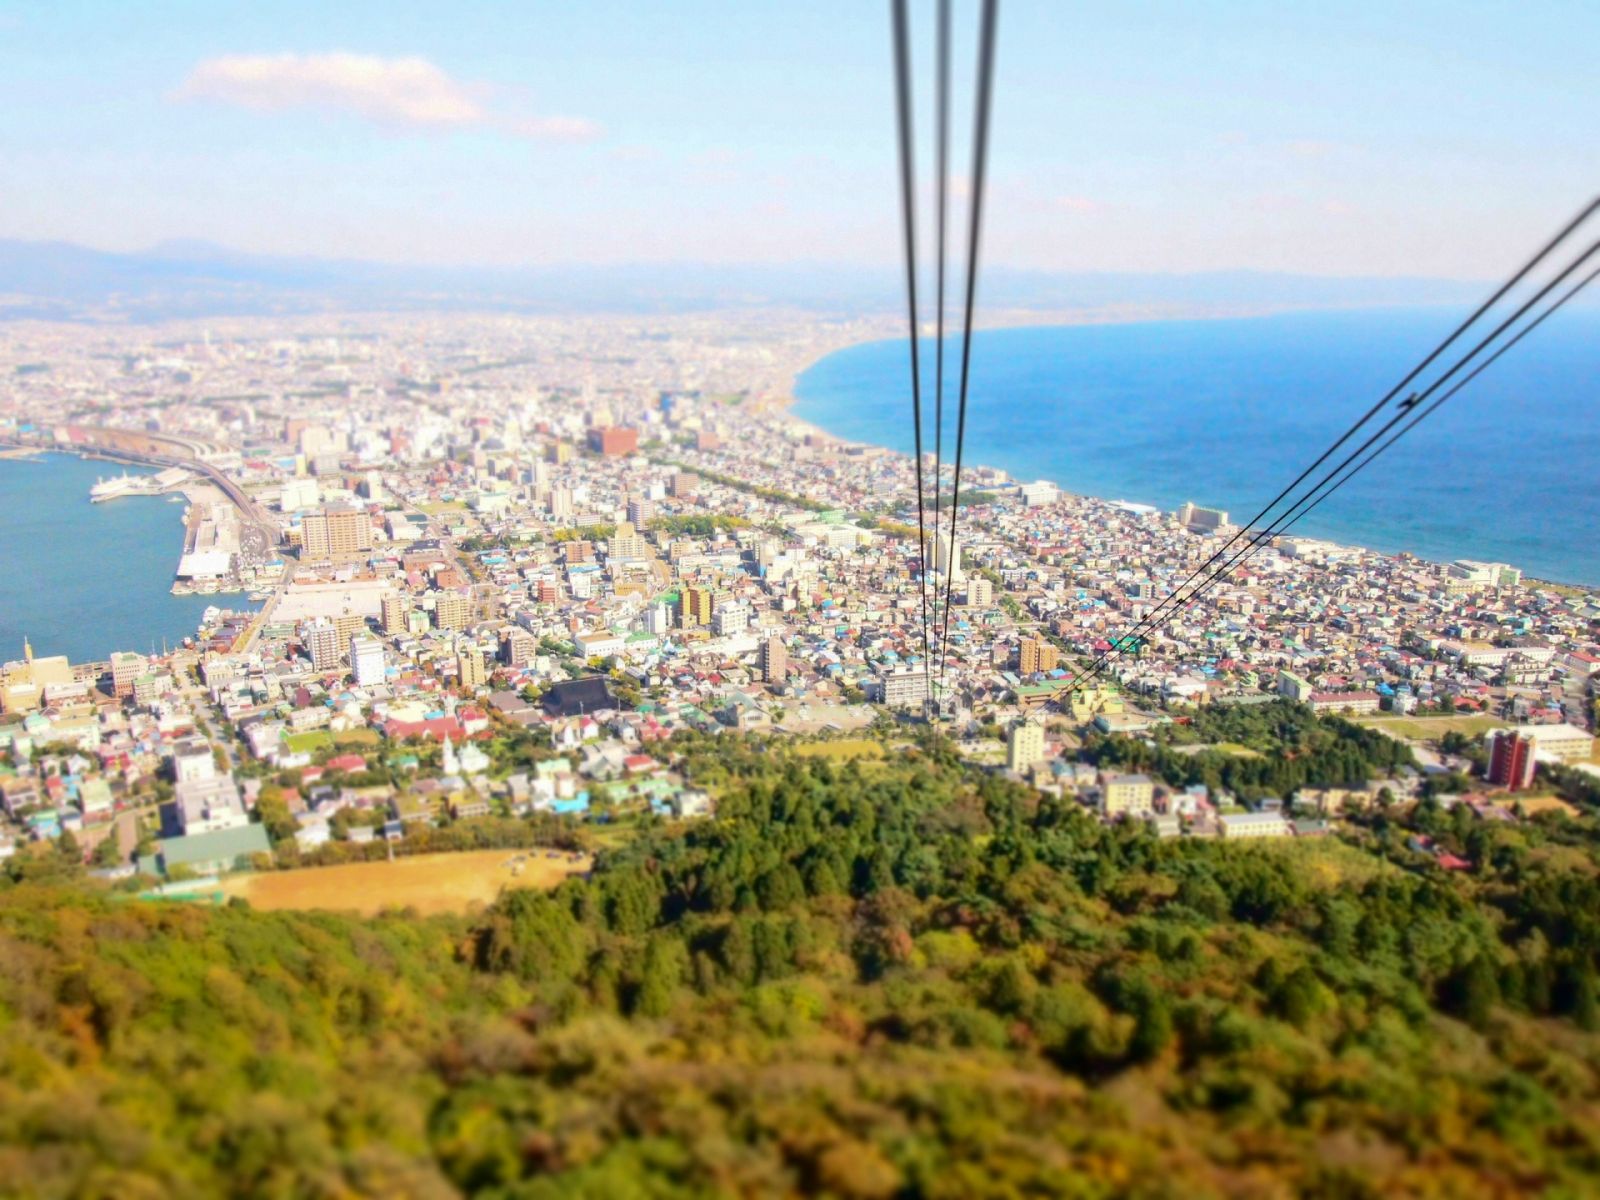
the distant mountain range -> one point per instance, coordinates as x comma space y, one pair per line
63, 281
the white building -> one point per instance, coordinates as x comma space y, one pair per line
193, 760
206, 805
1042, 492
1242, 826
1564, 743
658, 620
902, 687
599, 643
1024, 746
366, 660
730, 619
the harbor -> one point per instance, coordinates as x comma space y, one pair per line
118, 486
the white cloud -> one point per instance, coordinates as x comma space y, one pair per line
408, 92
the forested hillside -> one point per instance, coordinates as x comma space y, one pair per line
879, 979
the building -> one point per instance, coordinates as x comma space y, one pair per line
193, 760
322, 642
774, 661
209, 804
208, 853
299, 494
695, 607
730, 619
1293, 687
366, 660
126, 667
335, 533
980, 592
599, 643
470, 669
452, 610
947, 556
578, 697
684, 484
395, 611
1035, 494
1036, 656
1344, 702
1024, 745
24, 682
1564, 743
1133, 795
1484, 574
657, 620
1242, 826
1193, 516
518, 647
1511, 758
901, 687
641, 511
614, 440
627, 543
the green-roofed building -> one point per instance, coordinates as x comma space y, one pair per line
207, 853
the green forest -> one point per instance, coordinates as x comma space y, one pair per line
884, 978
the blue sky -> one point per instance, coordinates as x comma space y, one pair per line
1364, 138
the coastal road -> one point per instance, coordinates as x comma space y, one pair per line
258, 533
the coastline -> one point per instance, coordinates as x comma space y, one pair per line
803, 426
55, 566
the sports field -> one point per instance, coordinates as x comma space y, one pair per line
1422, 729
842, 749
428, 883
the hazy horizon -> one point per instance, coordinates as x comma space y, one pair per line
1437, 143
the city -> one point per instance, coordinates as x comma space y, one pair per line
599, 533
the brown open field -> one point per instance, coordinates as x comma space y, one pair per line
841, 749
429, 883
1419, 729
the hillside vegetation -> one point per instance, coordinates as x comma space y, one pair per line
890, 979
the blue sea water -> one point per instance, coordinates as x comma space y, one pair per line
1227, 412
85, 579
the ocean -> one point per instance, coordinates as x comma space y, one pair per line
1227, 412
85, 579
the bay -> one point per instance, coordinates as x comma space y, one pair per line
85, 579
1227, 412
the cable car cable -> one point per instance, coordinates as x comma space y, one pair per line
908, 214
942, 130
1279, 523
980, 156
1499, 294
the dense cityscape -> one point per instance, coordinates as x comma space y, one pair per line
433, 541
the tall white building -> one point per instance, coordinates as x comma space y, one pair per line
947, 556
192, 760
730, 619
900, 687
321, 640
1024, 746
366, 660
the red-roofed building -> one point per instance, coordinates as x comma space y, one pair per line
639, 764
438, 728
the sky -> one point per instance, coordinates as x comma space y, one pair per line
1360, 138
